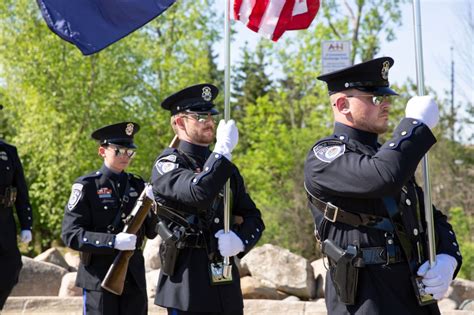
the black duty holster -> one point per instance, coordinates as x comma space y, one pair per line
343, 271
169, 248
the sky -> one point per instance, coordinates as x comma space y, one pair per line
443, 26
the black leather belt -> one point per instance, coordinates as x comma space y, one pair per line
193, 240
378, 256
333, 213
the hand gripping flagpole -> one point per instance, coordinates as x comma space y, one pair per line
423, 297
227, 268
426, 175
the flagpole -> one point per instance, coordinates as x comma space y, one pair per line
227, 268
425, 164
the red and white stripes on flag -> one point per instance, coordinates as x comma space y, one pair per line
272, 18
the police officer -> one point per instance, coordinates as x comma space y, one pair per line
188, 184
93, 221
13, 191
367, 205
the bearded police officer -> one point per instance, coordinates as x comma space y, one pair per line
367, 207
94, 218
13, 192
188, 184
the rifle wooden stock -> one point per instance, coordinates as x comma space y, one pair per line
115, 278
175, 142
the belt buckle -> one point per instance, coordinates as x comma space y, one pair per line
330, 206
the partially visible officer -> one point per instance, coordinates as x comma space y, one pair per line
367, 207
13, 191
188, 183
94, 218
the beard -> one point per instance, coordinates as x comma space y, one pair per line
204, 136
378, 126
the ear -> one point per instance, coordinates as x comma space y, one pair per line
342, 105
180, 122
101, 151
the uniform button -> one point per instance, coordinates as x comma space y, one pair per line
85, 239
415, 122
403, 133
451, 232
408, 202
415, 232
246, 242
8, 167
118, 185
216, 156
342, 137
29, 218
29, 209
390, 241
391, 144
110, 243
105, 207
258, 230
216, 220
253, 236
97, 172
207, 168
194, 180
123, 215
97, 242
454, 243
459, 254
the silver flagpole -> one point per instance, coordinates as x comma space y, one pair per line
227, 268
426, 175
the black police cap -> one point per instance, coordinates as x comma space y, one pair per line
370, 76
118, 134
196, 98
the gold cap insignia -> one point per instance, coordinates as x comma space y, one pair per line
129, 129
385, 68
206, 94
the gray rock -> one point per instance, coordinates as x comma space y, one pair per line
151, 254
252, 288
151, 282
73, 260
320, 272
462, 290
68, 286
54, 256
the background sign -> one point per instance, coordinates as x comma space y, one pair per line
336, 54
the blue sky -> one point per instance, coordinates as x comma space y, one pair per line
443, 27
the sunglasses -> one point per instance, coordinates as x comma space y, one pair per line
377, 100
201, 117
123, 151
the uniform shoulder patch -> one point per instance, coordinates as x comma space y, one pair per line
330, 150
166, 164
76, 194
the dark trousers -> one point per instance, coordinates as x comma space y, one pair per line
133, 301
173, 311
4, 293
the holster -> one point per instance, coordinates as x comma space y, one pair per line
343, 271
85, 258
169, 247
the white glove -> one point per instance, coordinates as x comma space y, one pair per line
423, 108
25, 236
149, 191
229, 243
227, 136
125, 241
438, 278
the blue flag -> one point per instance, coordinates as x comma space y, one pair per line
92, 25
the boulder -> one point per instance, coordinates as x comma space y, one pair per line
54, 256
68, 286
447, 305
467, 305
38, 278
73, 260
462, 290
289, 272
253, 288
151, 254
320, 276
151, 282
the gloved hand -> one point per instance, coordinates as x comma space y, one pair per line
423, 108
227, 136
229, 244
438, 278
125, 241
25, 236
149, 191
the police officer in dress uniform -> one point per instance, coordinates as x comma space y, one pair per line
368, 209
13, 191
188, 184
93, 221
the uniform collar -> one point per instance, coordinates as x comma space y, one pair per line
364, 137
197, 152
108, 173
